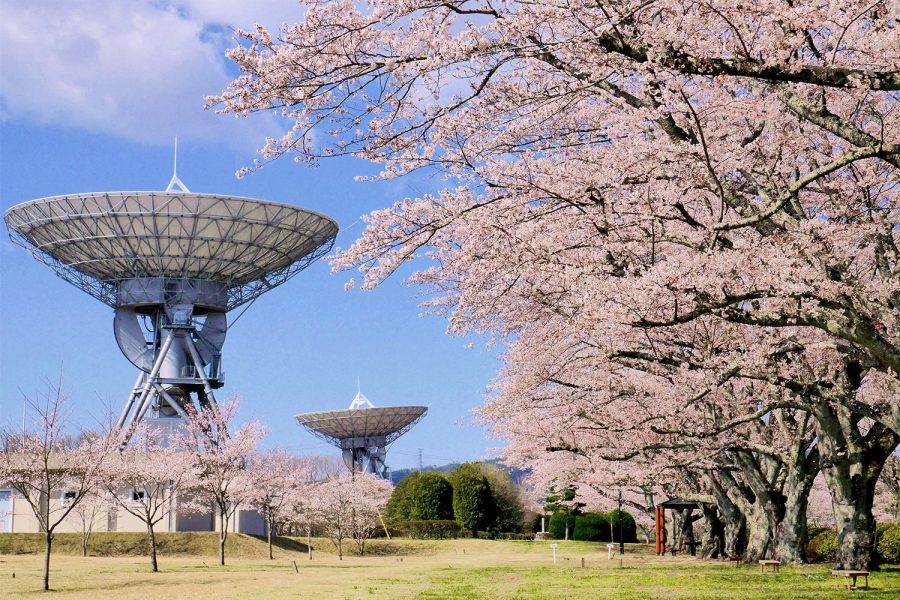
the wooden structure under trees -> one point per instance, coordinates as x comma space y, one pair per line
672, 503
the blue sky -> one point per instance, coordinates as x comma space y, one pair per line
91, 96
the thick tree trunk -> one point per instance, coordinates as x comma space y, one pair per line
49, 540
851, 463
714, 540
154, 567
309, 540
761, 501
686, 537
84, 543
676, 538
760, 533
790, 543
731, 517
735, 535
856, 533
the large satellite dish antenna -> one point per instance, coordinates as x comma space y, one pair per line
363, 432
171, 264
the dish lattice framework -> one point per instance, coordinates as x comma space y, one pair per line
96, 240
385, 423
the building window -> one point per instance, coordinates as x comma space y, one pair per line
137, 496
68, 498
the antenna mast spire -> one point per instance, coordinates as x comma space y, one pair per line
175, 180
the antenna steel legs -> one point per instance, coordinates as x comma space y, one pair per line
151, 387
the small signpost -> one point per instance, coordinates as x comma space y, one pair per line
609, 551
554, 547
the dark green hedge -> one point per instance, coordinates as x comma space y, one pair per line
887, 543
591, 527
432, 530
628, 526
400, 505
432, 499
823, 544
473, 505
557, 525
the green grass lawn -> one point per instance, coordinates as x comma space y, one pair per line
452, 569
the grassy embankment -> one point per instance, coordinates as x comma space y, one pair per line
452, 569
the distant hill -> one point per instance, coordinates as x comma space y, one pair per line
516, 474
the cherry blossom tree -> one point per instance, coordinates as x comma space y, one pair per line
150, 478
372, 495
308, 501
307, 510
349, 507
699, 201
49, 468
887, 492
584, 430
278, 482
821, 509
219, 451
95, 506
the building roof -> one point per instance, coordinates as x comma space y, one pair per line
679, 503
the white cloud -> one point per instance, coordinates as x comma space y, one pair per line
138, 70
243, 14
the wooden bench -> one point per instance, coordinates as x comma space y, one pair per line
769, 563
738, 560
850, 576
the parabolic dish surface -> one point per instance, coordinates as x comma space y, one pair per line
95, 240
388, 421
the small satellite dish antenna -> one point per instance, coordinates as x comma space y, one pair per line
363, 432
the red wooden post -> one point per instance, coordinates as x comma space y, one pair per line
660, 529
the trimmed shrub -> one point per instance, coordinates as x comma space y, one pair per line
888, 543
591, 527
557, 524
822, 547
472, 500
508, 510
629, 527
432, 529
400, 504
432, 499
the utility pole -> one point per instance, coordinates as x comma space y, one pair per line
420, 459
621, 537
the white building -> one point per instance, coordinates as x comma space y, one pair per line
17, 516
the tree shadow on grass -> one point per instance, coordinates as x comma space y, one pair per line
284, 543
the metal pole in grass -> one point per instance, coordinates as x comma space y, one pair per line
621, 537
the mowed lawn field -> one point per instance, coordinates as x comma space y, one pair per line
451, 569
